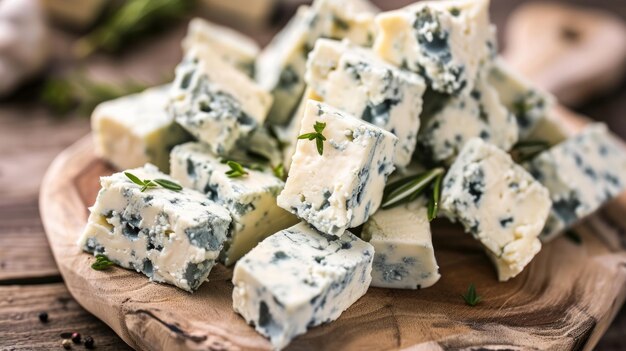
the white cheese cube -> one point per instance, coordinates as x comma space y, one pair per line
478, 114
499, 203
299, 278
445, 41
528, 103
251, 199
341, 188
404, 257
215, 102
260, 146
134, 130
582, 174
233, 47
356, 81
172, 237
281, 66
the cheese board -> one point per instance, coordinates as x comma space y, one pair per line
565, 299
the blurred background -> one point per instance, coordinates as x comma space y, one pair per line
60, 58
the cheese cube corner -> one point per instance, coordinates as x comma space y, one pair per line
172, 237
343, 186
499, 203
300, 278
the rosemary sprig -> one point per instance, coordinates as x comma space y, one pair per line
102, 263
471, 297
279, 172
77, 91
433, 204
317, 136
236, 170
408, 189
153, 183
133, 19
527, 150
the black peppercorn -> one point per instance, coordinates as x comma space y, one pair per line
65, 335
76, 338
43, 317
89, 343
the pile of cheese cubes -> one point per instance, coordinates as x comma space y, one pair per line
382, 97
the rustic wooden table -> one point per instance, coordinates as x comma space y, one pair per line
30, 137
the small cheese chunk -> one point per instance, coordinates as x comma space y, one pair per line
529, 104
281, 66
251, 199
356, 81
134, 130
478, 114
445, 41
341, 188
499, 203
216, 103
404, 256
299, 278
233, 47
261, 146
172, 237
582, 174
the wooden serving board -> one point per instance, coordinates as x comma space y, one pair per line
564, 300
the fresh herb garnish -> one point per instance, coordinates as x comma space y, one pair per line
574, 237
132, 20
408, 189
317, 136
102, 262
471, 297
148, 183
527, 150
279, 171
433, 204
236, 170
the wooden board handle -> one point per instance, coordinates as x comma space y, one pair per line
572, 52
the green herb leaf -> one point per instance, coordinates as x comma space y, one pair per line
527, 150
574, 237
132, 20
236, 170
279, 171
531, 144
102, 262
168, 184
471, 297
433, 204
317, 136
409, 188
133, 178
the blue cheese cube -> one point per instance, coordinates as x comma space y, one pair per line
478, 114
281, 66
445, 41
251, 199
233, 47
131, 131
216, 103
529, 104
499, 203
404, 256
582, 174
341, 188
172, 237
299, 278
356, 81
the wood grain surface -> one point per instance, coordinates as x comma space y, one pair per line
33, 132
